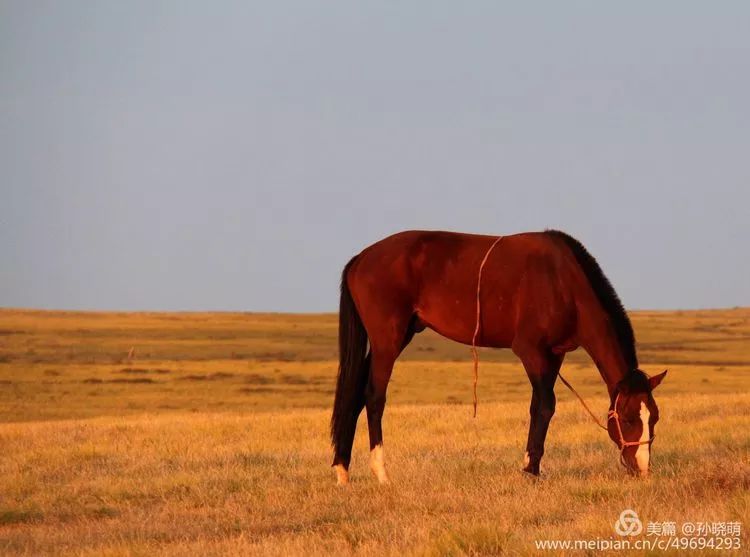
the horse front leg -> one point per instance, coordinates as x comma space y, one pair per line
537, 436
533, 410
542, 369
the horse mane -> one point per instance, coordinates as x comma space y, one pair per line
606, 295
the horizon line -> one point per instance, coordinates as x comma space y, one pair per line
329, 312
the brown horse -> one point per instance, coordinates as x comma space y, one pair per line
542, 295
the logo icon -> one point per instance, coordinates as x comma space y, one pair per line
628, 524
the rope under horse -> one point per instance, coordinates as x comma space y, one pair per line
479, 322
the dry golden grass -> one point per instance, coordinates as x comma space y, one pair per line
224, 449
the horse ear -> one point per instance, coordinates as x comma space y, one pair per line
654, 381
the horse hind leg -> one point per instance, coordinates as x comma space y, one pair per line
381, 368
344, 444
384, 356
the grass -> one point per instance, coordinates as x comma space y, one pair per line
210, 438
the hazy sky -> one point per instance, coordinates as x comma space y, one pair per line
234, 155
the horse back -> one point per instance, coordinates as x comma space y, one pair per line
529, 284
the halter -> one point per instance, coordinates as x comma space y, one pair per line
612, 414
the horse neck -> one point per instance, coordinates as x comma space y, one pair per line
598, 338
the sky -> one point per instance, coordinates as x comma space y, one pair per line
234, 155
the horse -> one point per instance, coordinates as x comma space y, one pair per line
542, 294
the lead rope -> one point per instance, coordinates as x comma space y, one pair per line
479, 322
593, 416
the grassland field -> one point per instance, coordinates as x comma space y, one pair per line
206, 434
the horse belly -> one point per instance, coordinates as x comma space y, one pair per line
452, 313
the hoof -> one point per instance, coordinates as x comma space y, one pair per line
531, 470
528, 466
377, 465
381, 475
342, 475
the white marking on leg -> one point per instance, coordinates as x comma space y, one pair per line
342, 475
377, 464
526, 459
644, 451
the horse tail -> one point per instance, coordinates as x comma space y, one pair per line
353, 371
